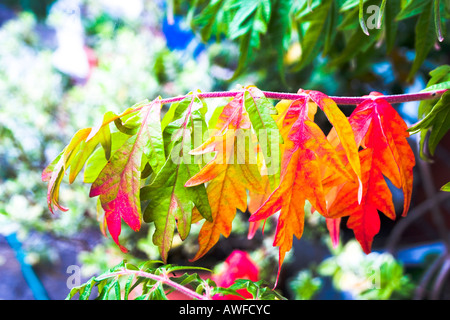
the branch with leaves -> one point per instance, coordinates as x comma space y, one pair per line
196, 163
152, 280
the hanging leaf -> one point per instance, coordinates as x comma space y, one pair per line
306, 153
229, 174
383, 135
118, 184
424, 37
170, 203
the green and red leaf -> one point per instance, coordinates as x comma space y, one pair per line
306, 153
229, 174
118, 184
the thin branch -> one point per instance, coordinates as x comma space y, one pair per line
427, 277
436, 213
400, 98
162, 279
440, 279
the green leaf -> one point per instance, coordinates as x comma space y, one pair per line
97, 160
436, 122
331, 29
439, 75
240, 23
171, 204
391, 25
381, 15
424, 39
312, 39
248, 25
446, 187
358, 43
260, 111
438, 86
279, 31
206, 20
348, 4
85, 290
105, 290
362, 21
127, 288
437, 21
87, 147
412, 8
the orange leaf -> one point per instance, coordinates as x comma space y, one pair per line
229, 174
306, 152
382, 133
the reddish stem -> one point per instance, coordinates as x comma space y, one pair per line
162, 279
400, 98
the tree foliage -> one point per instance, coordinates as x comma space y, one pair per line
337, 30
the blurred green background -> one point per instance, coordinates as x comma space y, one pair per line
64, 63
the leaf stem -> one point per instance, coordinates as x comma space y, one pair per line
162, 279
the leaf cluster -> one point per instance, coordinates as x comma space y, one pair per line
434, 115
204, 162
295, 33
153, 280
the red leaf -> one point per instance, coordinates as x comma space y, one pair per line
306, 152
118, 184
382, 133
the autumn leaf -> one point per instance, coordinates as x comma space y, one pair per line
118, 184
170, 203
306, 152
229, 174
53, 174
382, 134
76, 153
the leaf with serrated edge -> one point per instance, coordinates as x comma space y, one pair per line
118, 184
306, 152
229, 174
170, 203
382, 133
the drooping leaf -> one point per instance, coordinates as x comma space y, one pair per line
229, 174
382, 134
261, 113
312, 40
306, 152
118, 184
170, 203
362, 21
342, 128
412, 8
76, 153
333, 226
392, 8
424, 37
54, 174
436, 123
87, 147
433, 113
